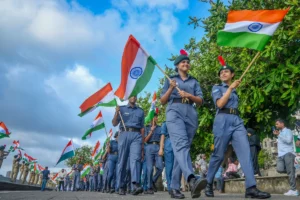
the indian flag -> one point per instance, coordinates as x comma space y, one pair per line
249, 28
137, 69
103, 150
96, 150
104, 97
4, 132
85, 170
41, 168
97, 124
29, 158
152, 110
68, 152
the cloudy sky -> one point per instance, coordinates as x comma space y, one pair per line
55, 53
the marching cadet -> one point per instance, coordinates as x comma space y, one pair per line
96, 180
130, 143
22, 168
228, 126
25, 174
90, 178
36, 179
31, 177
166, 150
152, 138
77, 168
16, 166
182, 123
112, 160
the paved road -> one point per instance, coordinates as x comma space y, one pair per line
37, 195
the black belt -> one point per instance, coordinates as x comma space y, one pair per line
153, 142
131, 129
232, 111
183, 101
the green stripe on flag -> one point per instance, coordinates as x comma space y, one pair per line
243, 39
111, 103
96, 128
66, 156
145, 78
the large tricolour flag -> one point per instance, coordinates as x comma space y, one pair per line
152, 110
97, 124
250, 28
68, 152
4, 132
137, 69
104, 97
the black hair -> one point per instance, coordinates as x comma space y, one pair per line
281, 121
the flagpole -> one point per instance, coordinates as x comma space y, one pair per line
166, 75
122, 120
247, 69
105, 131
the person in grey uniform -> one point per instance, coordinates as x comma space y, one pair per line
127, 179
105, 173
130, 143
112, 160
90, 178
166, 150
152, 138
182, 123
77, 168
96, 170
228, 126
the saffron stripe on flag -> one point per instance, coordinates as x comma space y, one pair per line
267, 16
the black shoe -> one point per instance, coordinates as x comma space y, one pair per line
103, 191
137, 190
154, 187
112, 191
196, 186
149, 191
176, 194
209, 191
255, 193
122, 191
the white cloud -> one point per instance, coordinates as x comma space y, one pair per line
74, 85
168, 27
178, 4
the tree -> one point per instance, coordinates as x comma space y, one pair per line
83, 152
269, 90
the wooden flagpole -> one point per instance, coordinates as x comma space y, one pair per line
247, 69
166, 75
122, 120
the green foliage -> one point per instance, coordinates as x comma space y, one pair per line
271, 88
264, 159
83, 152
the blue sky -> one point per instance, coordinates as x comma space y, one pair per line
55, 53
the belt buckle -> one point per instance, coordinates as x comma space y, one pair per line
185, 101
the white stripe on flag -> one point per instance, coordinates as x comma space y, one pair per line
243, 26
139, 61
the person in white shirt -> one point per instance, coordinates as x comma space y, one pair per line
61, 177
286, 155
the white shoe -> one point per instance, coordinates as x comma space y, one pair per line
292, 193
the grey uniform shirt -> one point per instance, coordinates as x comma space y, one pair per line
190, 85
219, 90
133, 117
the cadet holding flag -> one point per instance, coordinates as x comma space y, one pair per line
182, 123
228, 126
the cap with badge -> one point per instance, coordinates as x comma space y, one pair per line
183, 56
224, 66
